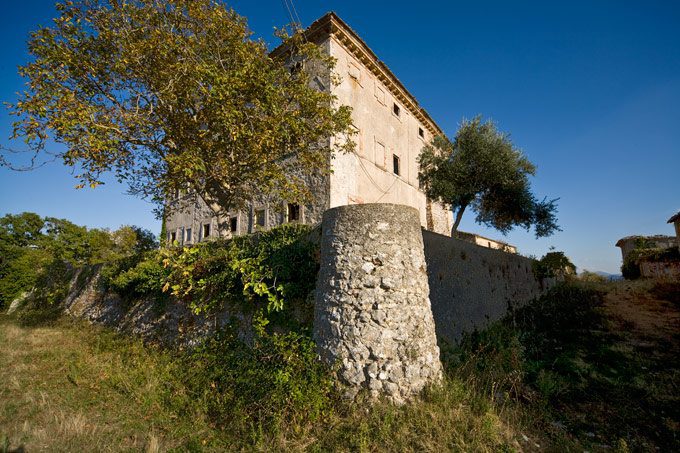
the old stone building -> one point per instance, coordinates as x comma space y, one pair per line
391, 131
630, 243
675, 220
486, 242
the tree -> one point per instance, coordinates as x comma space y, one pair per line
482, 170
556, 264
174, 94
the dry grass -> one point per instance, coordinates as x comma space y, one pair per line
72, 387
64, 388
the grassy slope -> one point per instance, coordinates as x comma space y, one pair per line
601, 377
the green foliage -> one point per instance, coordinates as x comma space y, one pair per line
645, 252
268, 271
276, 380
176, 94
592, 277
41, 253
554, 264
145, 279
483, 170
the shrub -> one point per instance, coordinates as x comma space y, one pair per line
268, 271
592, 277
142, 280
554, 264
276, 379
630, 269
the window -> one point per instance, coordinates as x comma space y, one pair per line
293, 212
259, 218
395, 164
206, 230
233, 224
296, 67
380, 157
187, 235
421, 132
173, 237
396, 109
379, 94
354, 72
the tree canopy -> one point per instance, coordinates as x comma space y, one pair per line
482, 170
34, 247
174, 94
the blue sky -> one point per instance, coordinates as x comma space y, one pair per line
590, 91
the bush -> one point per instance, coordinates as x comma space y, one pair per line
269, 272
643, 253
553, 264
145, 279
535, 349
592, 277
276, 379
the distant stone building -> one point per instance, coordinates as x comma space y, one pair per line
630, 243
392, 129
675, 220
486, 242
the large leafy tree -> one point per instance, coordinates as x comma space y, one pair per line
482, 170
174, 94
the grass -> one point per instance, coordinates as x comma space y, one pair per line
576, 371
70, 386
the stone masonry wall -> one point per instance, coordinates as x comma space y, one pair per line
472, 286
372, 314
668, 270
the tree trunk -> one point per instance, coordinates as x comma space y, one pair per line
459, 216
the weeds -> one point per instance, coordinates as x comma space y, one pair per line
558, 374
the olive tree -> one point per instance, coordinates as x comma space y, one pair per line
482, 170
170, 95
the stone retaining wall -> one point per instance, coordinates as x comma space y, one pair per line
472, 286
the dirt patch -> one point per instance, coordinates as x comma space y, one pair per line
645, 318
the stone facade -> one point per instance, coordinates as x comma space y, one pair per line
675, 220
372, 314
664, 270
630, 243
486, 242
391, 127
472, 286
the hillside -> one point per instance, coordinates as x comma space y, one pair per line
589, 367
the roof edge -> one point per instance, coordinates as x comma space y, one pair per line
332, 25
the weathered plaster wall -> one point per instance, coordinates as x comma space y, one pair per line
472, 286
372, 316
367, 176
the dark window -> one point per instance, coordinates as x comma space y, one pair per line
421, 132
188, 235
293, 212
396, 109
233, 224
206, 230
173, 237
259, 217
296, 67
395, 164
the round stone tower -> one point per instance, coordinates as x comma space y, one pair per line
372, 310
